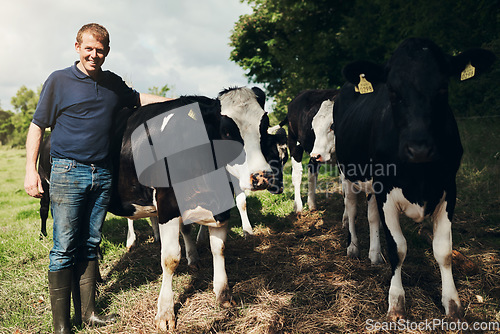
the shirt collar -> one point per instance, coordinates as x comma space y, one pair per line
80, 75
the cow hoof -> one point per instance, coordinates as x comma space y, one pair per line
395, 315
248, 233
225, 299
164, 325
130, 244
353, 252
376, 258
297, 208
455, 311
396, 308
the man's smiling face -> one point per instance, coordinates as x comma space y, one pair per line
92, 54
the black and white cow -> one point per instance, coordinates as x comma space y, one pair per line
309, 121
400, 143
234, 115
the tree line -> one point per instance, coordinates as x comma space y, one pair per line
14, 125
292, 45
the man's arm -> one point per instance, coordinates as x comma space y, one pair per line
150, 98
32, 181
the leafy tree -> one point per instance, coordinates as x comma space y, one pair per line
6, 126
24, 102
293, 45
290, 45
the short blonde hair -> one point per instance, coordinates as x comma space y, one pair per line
98, 31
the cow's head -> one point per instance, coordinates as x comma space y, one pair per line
324, 140
244, 120
415, 83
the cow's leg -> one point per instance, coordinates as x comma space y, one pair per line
221, 287
442, 248
241, 203
156, 229
396, 248
349, 217
170, 257
189, 244
296, 152
375, 254
131, 237
296, 181
311, 190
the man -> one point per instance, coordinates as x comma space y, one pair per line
78, 104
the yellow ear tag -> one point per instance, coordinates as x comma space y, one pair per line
468, 73
364, 86
191, 114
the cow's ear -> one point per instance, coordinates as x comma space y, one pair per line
374, 73
261, 96
480, 60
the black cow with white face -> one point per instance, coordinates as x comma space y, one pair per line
309, 121
400, 143
235, 115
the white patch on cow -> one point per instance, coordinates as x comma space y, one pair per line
375, 253
442, 248
131, 237
351, 191
170, 257
311, 189
272, 130
143, 211
296, 181
241, 203
392, 208
349, 216
324, 143
201, 216
242, 107
166, 119
217, 240
414, 211
364, 186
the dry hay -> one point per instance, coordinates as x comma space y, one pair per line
299, 280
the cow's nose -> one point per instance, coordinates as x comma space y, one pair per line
317, 158
260, 180
419, 153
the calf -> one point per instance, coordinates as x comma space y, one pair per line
310, 128
397, 139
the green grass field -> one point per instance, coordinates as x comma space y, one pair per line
292, 277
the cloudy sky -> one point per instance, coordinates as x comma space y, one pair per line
182, 43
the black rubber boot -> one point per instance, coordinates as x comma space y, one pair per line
86, 274
60, 299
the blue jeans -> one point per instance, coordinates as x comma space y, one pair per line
79, 198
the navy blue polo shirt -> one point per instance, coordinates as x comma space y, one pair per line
80, 110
